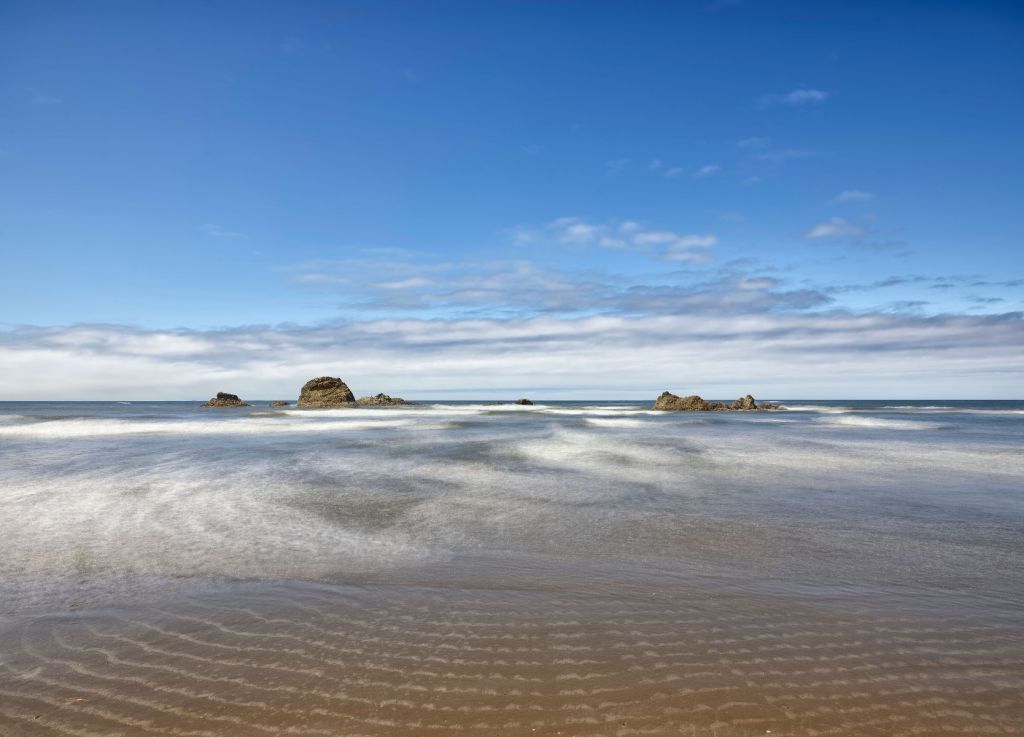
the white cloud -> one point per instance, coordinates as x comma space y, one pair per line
655, 164
754, 142
674, 172
413, 282
835, 228
852, 195
802, 96
707, 170
629, 233
785, 355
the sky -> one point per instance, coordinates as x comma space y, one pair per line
577, 200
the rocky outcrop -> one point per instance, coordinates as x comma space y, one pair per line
746, 402
523, 401
380, 400
693, 403
223, 399
279, 403
326, 391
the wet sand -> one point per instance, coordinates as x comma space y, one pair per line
612, 657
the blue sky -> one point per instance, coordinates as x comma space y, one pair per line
462, 199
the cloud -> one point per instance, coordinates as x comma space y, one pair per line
803, 96
776, 354
216, 231
852, 195
707, 170
654, 165
630, 234
674, 172
834, 228
754, 142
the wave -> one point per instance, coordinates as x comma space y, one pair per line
247, 426
822, 408
879, 422
917, 406
614, 422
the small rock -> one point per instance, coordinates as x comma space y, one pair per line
381, 400
279, 403
223, 399
523, 401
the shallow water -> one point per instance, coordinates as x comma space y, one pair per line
573, 568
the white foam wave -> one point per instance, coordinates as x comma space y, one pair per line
614, 422
382, 412
821, 408
84, 428
916, 406
601, 411
878, 422
11, 418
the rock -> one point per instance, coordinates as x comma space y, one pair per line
223, 399
280, 404
381, 400
326, 391
693, 403
523, 401
746, 402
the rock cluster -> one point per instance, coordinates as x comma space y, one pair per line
326, 391
523, 401
694, 403
381, 400
223, 399
279, 403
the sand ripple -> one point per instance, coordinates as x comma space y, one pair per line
314, 660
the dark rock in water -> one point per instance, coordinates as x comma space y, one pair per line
381, 400
693, 403
523, 401
746, 402
280, 404
326, 391
223, 399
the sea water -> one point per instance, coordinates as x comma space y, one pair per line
584, 513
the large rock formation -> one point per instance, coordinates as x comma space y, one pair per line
381, 400
223, 399
693, 403
326, 391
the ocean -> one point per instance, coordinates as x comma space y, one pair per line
840, 567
